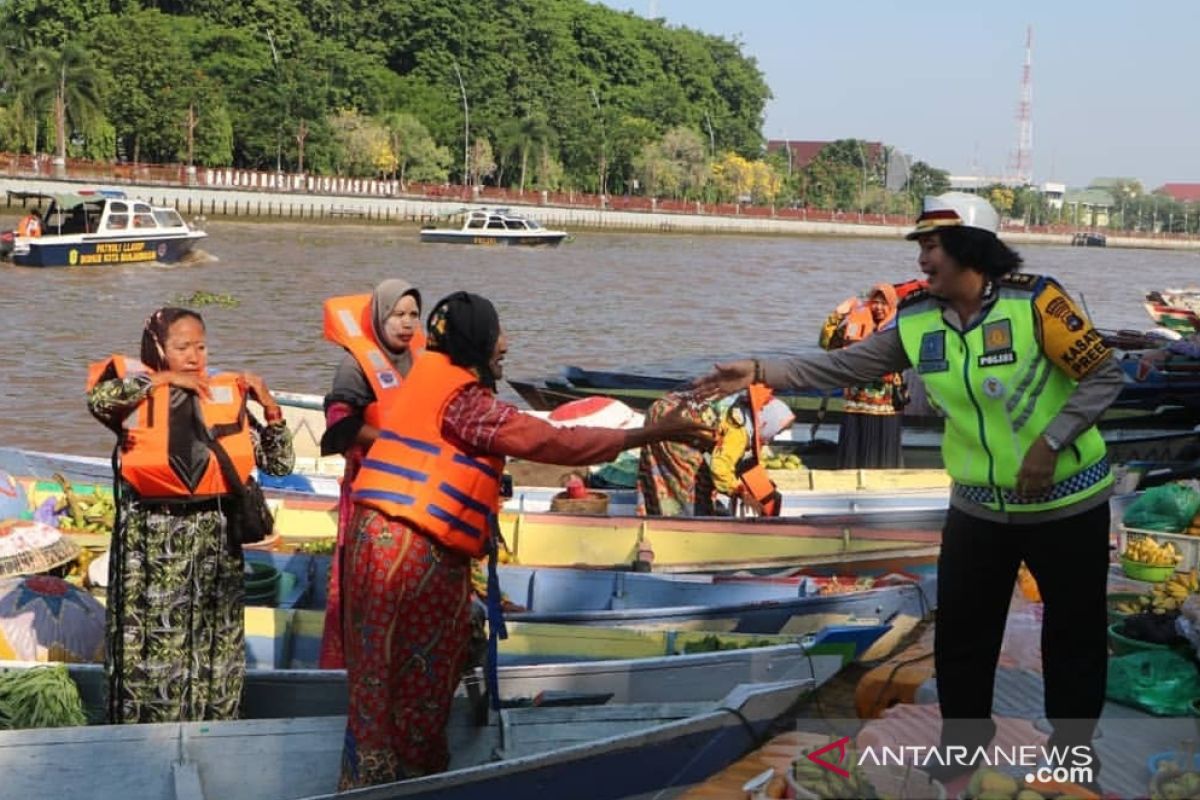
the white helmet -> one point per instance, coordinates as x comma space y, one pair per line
955, 208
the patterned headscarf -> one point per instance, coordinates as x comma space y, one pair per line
154, 335
465, 327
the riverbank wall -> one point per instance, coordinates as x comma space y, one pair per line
280, 203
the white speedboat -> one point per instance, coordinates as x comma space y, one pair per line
494, 226
103, 228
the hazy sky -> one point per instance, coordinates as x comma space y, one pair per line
1116, 85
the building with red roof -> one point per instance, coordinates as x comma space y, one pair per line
1183, 192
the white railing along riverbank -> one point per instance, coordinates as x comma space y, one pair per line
228, 194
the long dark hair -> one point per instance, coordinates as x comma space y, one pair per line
979, 250
154, 335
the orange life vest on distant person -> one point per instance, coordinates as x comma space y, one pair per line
413, 473
30, 226
755, 480
348, 323
148, 462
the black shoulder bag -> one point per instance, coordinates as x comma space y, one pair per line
248, 518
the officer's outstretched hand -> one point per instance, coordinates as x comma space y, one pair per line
725, 379
1036, 475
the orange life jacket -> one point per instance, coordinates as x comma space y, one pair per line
29, 225
413, 473
348, 323
145, 440
755, 480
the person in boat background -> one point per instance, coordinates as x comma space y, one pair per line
1187, 347
677, 479
426, 504
175, 631
381, 341
30, 225
871, 422
1022, 377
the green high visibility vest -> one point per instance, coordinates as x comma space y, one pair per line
999, 392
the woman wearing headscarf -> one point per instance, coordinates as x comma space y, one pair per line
381, 333
871, 425
176, 648
426, 502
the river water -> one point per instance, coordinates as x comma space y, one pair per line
605, 300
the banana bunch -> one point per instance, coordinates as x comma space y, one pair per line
85, 513
823, 782
41, 697
1145, 550
1163, 597
1170, 594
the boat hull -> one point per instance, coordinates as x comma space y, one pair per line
435, 236
107, 252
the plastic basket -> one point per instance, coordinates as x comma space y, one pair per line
1188, 547
1123, 645
1151, 573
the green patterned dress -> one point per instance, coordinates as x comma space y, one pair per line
175, 630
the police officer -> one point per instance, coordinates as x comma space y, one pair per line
1021, 376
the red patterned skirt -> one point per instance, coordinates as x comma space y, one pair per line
407, 636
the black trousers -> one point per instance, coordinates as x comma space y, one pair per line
976, 572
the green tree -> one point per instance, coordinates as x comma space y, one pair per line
71, 81
518, 137
926, 180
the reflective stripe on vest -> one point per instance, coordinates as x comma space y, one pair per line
999, 393
412, 473
146, 441
348, 323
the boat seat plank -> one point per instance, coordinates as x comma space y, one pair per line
527, 731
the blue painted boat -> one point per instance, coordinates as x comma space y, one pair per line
103, 228
603, 752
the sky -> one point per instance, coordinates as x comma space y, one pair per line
1115, 85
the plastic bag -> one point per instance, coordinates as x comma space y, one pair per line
1162, 682
1168, 509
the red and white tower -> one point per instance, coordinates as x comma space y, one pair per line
1022, 163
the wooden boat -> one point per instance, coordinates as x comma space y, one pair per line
103, 228
644, 602
497, 226
1089, 240
690, 677
881, 539
600, 752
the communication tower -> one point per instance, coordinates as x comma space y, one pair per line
1022, 163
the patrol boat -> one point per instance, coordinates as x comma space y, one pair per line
103, 228
494, 226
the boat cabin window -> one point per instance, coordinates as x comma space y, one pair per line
514, 224
533, 225
118, 216
476, 222
495, 223
83, 218
143, 217
168, 218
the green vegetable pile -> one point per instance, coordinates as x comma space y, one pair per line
41, 697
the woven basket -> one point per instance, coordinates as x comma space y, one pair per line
55, 552
594, 503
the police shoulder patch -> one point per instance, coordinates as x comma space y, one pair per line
1021, 280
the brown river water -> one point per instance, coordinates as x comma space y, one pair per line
606, 300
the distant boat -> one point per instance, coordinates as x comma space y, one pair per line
1176, 309
496, 226
103, 228
1089, 240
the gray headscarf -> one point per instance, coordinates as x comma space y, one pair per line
349, 383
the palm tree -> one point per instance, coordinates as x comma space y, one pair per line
523, 135
74, 84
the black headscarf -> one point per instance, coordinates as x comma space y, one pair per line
465, 327
154, 335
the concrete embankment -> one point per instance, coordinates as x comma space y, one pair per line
250, 204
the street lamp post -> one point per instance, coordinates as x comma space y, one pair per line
466, 127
